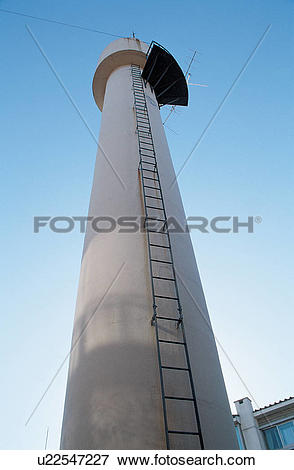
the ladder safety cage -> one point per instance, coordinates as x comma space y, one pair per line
148, 175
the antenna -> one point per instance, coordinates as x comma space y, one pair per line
190, 64
195, 84
187, 77
186, 74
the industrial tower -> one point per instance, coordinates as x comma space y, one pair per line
144, 370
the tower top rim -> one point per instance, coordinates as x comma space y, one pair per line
123, 51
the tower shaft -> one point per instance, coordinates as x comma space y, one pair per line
114, 393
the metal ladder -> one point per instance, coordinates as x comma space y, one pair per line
154, 201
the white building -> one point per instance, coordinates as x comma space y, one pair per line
269, 427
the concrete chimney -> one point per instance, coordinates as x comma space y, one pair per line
114, 397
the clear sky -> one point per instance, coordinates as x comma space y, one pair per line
243, 166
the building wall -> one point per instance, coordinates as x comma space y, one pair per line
252, 436
256, 427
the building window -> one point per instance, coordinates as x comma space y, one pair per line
287, 433
273, 439
281, 436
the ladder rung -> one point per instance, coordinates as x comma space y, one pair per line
171, 342
153, 179
156, 231
146, 155
159, 246
164, 278
144, 127
146, 169
175, 368
151, 187
140, 132
144, 148
191, 433
148, 163
145, 140
154, 197
157, 208
148, 150
160, 261
167, 397
166, 297
159, 317
154, 218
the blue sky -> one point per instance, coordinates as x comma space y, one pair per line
243, 166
